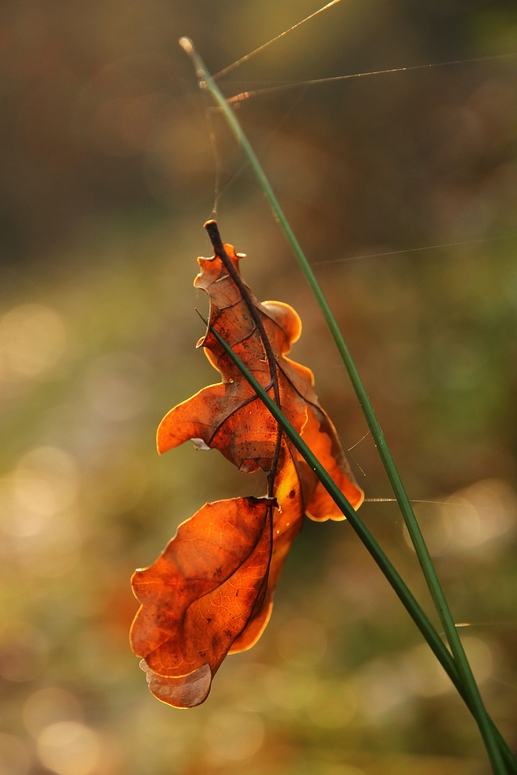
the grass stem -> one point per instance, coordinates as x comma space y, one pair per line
466, 676
398, 584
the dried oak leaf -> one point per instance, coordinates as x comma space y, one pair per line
199, 595
210, 592
230, 417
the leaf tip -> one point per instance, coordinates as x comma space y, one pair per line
182, 692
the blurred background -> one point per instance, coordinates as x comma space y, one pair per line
108, 173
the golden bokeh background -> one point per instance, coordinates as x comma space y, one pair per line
108, 175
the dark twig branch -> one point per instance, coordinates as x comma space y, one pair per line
218, 246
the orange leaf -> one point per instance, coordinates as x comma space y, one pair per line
320, 435
199, 595
229, 416
210, 592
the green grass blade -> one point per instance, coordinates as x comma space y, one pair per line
469, 684
401, 589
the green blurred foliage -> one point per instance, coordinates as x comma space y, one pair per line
108, 175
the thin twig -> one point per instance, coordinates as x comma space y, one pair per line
219, 250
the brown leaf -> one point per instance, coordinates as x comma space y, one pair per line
199, 595
229, 416
321, 437
210, 592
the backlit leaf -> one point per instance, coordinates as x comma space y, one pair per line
210, 592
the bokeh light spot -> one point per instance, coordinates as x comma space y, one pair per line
15, 519
32, 340
46, 480
468, 519
430, 519
484, 511
68, 748
480, 658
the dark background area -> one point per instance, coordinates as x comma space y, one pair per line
402, 190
